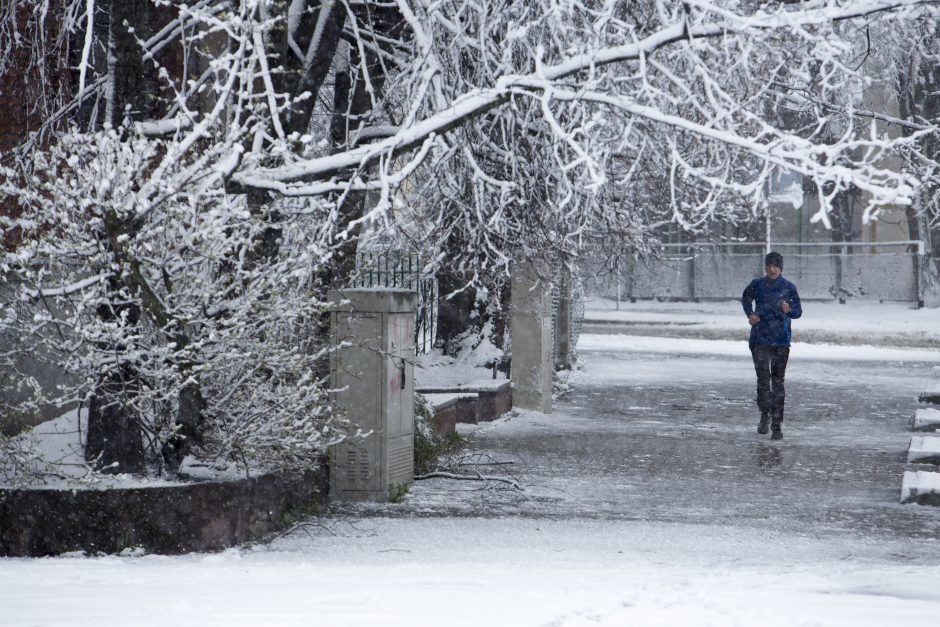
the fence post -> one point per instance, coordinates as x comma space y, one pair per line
843, 254
919, 275
619, 278
837, 259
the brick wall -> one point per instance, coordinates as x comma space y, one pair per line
21, 85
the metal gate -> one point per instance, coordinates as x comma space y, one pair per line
405, 270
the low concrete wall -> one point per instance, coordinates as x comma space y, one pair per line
450, 407
696, 272
467, 409
926, 419
924, 498
169, 519
494, 401
444, 420
931, 396
479, 401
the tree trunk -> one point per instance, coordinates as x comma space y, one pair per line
918, 92
115, 439
187, 429
907, 109
114, 442
135, 85
352, 111
302, 76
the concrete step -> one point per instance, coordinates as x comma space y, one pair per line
924, 449
926, 419
450, 408
931, 395
473, 402
921, 487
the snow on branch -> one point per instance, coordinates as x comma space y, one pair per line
785, 150
296, 178
66, 290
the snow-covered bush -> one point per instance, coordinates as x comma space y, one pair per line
430, 446
20, 462
140, 267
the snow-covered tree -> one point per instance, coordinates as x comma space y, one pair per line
182, 311
208, 168
911, 74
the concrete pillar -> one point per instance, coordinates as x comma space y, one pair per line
531, 328
372, 371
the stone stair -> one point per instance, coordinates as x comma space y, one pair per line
923, 486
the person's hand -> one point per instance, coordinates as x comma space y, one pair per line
753, 319
785, 306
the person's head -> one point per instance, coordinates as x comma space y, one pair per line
773, 264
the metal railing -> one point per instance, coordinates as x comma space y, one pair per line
405, 270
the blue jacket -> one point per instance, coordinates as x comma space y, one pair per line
763, 297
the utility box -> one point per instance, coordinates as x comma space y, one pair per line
372, 373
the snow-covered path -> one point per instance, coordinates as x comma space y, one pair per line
649, 500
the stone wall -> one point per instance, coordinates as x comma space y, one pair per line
203, 516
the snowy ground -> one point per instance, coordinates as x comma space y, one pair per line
471, 572
649, 500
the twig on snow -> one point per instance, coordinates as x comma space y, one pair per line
478, 477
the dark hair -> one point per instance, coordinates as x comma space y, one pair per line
774, 258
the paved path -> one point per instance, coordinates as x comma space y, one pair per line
673, 439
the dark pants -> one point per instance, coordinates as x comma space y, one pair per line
770, 362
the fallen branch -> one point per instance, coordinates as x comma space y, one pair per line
478, 477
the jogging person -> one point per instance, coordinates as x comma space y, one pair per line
770, 302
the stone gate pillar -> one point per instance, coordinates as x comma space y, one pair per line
372, 373
531, 327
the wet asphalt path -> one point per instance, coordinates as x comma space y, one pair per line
673, 439
690, 453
